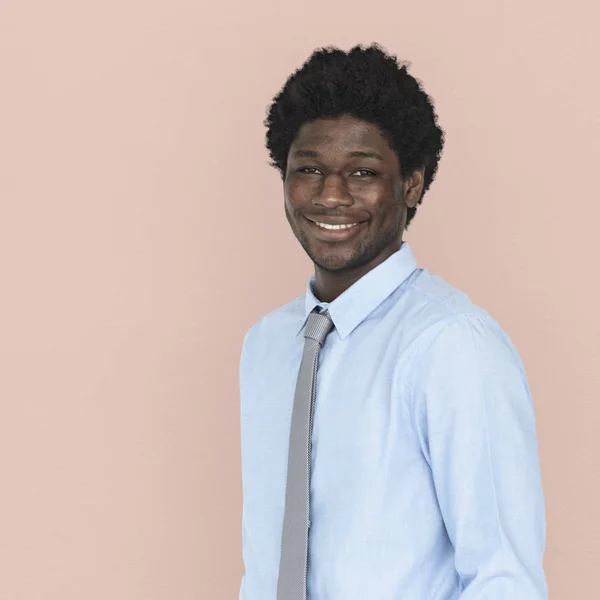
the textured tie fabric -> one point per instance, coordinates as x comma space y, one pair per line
291, 584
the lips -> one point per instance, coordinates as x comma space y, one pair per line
335, 220
334, 235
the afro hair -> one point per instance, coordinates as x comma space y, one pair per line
368, 84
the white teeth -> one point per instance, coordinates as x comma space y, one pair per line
327, 226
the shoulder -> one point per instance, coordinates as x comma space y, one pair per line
444, 306
440, 299
454, 328
270, 327
462, 355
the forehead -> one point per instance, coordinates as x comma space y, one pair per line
343, 133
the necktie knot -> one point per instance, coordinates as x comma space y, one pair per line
318, 326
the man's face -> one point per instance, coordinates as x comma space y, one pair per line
343, 171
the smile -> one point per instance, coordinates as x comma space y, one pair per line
333, 227
339, 232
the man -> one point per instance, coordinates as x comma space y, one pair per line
389, 448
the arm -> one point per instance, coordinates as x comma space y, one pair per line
242, 593
474, 415
241, 379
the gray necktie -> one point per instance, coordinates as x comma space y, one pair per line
291, 584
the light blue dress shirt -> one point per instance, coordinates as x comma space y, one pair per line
425, 481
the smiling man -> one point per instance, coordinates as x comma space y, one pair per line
389, 447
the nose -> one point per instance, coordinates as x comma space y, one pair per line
334, 192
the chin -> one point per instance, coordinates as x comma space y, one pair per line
338, 261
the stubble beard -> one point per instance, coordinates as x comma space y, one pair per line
363, 253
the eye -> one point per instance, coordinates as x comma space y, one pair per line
366, 173
307, 170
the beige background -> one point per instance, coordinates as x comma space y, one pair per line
142, 233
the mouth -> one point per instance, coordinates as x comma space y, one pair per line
335, 233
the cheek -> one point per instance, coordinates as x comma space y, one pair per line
298, 194
379, 202
375, 192
291, 203
287, 193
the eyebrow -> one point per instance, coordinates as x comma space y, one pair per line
353, 154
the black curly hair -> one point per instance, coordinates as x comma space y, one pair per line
366, 83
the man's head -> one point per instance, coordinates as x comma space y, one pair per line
356, 140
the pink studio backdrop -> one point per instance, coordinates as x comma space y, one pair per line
142, 233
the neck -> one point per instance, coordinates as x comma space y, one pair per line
331, 284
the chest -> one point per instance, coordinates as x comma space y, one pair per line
361, 420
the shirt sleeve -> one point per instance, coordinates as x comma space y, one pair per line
474, 416
242, 594
243, 371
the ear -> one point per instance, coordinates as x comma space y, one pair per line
413, 187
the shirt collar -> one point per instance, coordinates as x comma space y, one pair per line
349, 309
